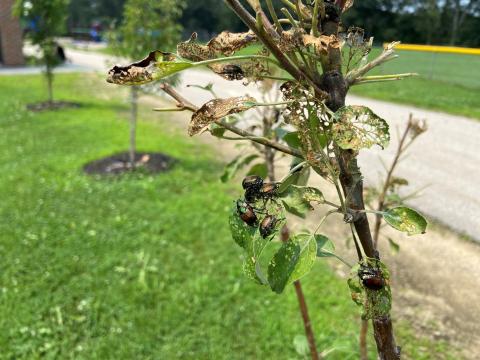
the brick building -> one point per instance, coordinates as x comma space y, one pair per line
11, 41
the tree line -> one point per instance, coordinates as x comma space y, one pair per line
442, 22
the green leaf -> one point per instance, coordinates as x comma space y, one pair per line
393, 246
259, 169
406, 220
297, 178
236, 164
292, 139
325, 247
300, 343
242, 233
297, 199
251, 269
217, 130
358, 127
292, 261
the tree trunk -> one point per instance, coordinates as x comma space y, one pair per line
333, 83
49, 75
133, 126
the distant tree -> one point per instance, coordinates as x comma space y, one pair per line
146, 25
81, 13
46, 20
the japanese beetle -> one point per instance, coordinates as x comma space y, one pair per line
246, 213
253, 182
371, 278
231, 72
267, 225
268, 190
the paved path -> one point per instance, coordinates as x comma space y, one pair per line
445, 159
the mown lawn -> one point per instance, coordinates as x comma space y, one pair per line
138, 267
447, 82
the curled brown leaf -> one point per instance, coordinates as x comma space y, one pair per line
224, 44
217, 109
322, 44
194, 51
229, 43
136, 72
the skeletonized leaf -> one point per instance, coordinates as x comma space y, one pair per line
406, 220
292, 261
322, 44
155, 66
236, 164
297, 199
224, 44
216, 109
358, 127
194, 51
228, 43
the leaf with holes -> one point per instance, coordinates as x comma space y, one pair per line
242, 233
157, 65
297, 199
292, 261
235, 165
357, 127
217, 109
406, 220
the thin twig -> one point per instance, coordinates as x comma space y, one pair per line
184, 103
386, 185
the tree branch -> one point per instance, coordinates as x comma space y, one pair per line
183, 103
250, 21
386, 55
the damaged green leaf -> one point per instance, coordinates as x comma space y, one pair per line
358, 127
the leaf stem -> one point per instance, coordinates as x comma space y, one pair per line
233, 58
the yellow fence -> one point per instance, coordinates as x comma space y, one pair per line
439, 49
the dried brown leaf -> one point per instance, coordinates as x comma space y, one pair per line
217, 109
228, 43
194, 51
225, 44
291, 39
322, 44
156, 65
344, 5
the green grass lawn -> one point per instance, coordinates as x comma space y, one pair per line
447, 82
138, 267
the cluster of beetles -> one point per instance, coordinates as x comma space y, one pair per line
256, 189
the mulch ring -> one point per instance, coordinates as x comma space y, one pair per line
55, 105
119, 164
